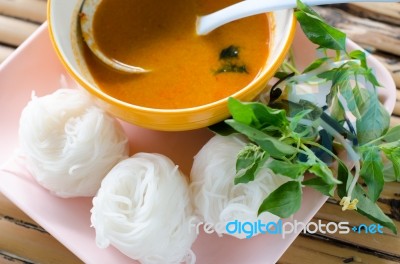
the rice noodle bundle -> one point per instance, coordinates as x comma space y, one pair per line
69, 143
217, 200
143, 209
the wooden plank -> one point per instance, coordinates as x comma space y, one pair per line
387, 243
391, 191
11, 211
384, 12
32, 10
310, 250
14, 31
366, 32
8, 258
5, 51
396, 109
392, 63
33, 245
389, 202
394, 120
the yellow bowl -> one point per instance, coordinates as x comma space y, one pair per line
62, 17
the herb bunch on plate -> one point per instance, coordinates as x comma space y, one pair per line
296, 137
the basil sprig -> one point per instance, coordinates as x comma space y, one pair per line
295, 138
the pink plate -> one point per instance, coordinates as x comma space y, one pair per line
35, 66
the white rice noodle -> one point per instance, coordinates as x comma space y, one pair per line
69, 143
217, 200
143, 209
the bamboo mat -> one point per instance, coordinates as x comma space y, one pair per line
374, 26
19, 19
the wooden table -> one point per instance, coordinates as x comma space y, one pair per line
376, 27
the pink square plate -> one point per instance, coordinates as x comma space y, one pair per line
35, 66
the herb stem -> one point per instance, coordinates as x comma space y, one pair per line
352, 154
355, 179
323, 148
305, 77
291, 67
372, 141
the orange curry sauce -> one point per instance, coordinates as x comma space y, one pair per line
160, 36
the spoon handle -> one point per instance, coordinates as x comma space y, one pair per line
208, 23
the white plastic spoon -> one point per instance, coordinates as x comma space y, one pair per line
88, 9
206, 24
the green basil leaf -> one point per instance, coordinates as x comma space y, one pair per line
371, 210
375, 120
359, 55
364, 206
393, 154
305, 8
246, 175
346, 91
320, 185
256, 114
242, 113
292, 170
393, 134
372, 78
271, 145
327, 75
389, 173
316, 64
372, 172
343, 174
248, 162
297, 118
284, 201
322, 170
318, 31
337, 112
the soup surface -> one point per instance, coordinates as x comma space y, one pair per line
186, 70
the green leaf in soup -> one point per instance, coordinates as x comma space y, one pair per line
322, 171
320, 185
375, 120
291, 170
256, 114
271, 145
284, 201
230, 52
318, 31
248, 162
372, 172
364, 206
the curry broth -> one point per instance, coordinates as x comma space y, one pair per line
160, 36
